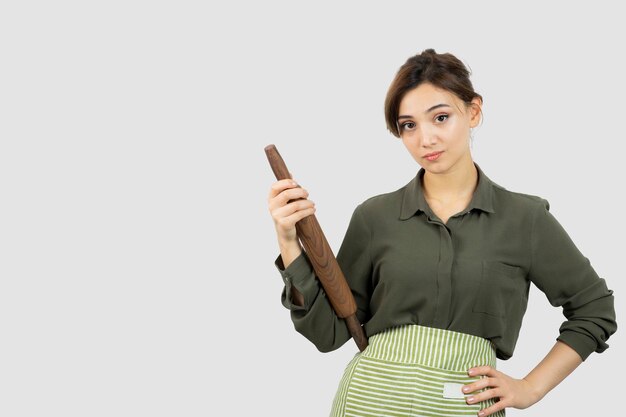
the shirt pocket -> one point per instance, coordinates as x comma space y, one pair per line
500, 288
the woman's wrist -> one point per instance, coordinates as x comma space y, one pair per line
536, 393
289, 251
555, 366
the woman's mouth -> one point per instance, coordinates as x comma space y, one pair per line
433, 156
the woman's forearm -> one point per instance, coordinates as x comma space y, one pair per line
555, 366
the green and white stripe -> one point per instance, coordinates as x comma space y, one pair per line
403, 370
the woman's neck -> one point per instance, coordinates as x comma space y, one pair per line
457, 184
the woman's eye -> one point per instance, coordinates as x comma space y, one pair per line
408, 125
438, 118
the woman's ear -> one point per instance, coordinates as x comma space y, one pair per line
475, 113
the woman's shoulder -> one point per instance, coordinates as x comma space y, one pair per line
516, 200
382, 204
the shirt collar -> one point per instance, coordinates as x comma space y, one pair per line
413, 199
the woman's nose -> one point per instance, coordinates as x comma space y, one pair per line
427, 138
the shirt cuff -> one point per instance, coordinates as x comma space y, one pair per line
583, 345
301, 275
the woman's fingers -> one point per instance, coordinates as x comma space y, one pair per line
288, 204
483, 396
290, 220
480, 384
483, 370
489, 383
492, 409
283, 195
281, 185
284, 215
283, 191
489, 379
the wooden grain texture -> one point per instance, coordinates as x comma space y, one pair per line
322, 259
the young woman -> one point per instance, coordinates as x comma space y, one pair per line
441, 269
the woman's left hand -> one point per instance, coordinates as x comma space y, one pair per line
517, 393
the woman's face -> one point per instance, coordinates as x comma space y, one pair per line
434, 120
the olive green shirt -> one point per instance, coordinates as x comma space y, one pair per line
471, 274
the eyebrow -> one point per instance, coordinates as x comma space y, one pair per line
436, 106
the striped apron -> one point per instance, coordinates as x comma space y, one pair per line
415, 371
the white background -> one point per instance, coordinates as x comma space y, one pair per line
136, 247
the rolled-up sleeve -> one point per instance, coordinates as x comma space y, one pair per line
566, 276
316, 319
298, 274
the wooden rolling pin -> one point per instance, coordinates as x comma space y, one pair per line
323, 260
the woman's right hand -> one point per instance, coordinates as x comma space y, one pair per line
286, 214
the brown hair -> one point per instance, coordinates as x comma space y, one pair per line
444, 71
